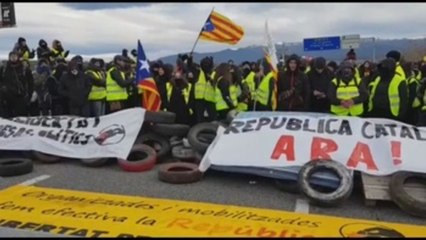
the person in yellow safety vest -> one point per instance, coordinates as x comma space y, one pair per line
116, 85
413, 106
246, 88
347, 93
388, 94
204, 92
421, 98
97, 94
396, 56
179, 98
264, 88
226, 90
58, 51
23, 51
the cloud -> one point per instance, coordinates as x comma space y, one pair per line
96, 6
170, 28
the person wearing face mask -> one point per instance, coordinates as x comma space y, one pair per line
179, 99
116, 85
319, 79
293, 87
58, 104
347, 93
388, 94
23, 50
43, 50
16, 86
58, 51
75, 87
98, 93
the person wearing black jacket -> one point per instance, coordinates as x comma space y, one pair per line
43, 50
293, 87
17, 86
347, 93
162, 74
58, 104
319, 78
75, 87
179, 98
224, 103
380, 105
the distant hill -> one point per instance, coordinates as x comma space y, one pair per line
365, 52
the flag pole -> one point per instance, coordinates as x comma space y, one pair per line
199, 34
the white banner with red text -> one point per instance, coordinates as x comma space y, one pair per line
112, 135
374, 146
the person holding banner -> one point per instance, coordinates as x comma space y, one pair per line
347, 93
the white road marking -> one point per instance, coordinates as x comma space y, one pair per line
35, 180
301, 206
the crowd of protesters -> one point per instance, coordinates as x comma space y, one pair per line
207, 91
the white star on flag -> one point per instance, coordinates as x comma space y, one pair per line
144, 65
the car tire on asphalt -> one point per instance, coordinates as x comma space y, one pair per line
94, 162
183, 152
160, 144
169, 130
402, 198
15, 166
46, 158
159, 117
289, 186
141, 158
194, 133
331, 199
179, 173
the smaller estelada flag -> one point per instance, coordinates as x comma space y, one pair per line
219, 28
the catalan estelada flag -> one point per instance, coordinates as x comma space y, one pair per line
219, 28
151, 99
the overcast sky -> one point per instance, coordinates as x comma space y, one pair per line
169, 28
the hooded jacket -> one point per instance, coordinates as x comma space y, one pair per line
319, 82
75, 88
381, 107
293, 88
16, 80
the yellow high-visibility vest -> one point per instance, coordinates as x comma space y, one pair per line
96, 93
262, 92
345, 92
114, 91
393, 94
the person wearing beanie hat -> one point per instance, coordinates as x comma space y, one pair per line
293, 87
22, 49
264, 87
319, 79
117, 83
347, 93
97, 93
43, 50
74, 86
389, 95
396, 56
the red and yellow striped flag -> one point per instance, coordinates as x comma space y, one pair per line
219, 28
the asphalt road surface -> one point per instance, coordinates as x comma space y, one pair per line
216, 187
